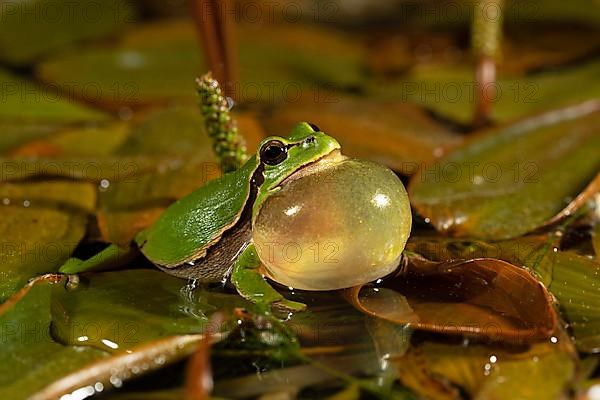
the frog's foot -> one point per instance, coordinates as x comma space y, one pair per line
252, 286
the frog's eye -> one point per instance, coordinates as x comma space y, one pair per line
314, 127
273, 152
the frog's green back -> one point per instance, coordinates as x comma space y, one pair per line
189, 226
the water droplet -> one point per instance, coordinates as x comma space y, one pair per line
104, 184
230, 102
594, 392
493, 359
478, 179
110, 344
554, 339
79, 394
116, 381
99, 387
26, 203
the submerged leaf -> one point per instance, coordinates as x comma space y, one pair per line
484, 298
513, 179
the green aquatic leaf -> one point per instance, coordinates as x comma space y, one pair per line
32, 29
15, 134
24, 101
78, 141
113, 311
449, 90
112, 371
31, 358
512, 179
40, 226
38, 367
275, 63
488, 372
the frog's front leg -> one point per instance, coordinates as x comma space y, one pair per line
252, 286
111, 257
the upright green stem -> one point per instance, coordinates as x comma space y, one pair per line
486, 39
229, 146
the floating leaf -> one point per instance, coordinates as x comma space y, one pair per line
88, 169
573, 279
485, 298
275, 63
396, 134
488, 372
17, 133
24, 101
85, 141
112, 311
113, 371
31, 358
31, 29
40, 226
449, 90
513, 179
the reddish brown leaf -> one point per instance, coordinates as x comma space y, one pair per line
485, 298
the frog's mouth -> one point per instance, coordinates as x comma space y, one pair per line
327, 161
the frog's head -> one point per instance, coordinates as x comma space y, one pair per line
281, 158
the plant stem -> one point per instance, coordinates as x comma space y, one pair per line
216, 28
229, 146
486, 39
